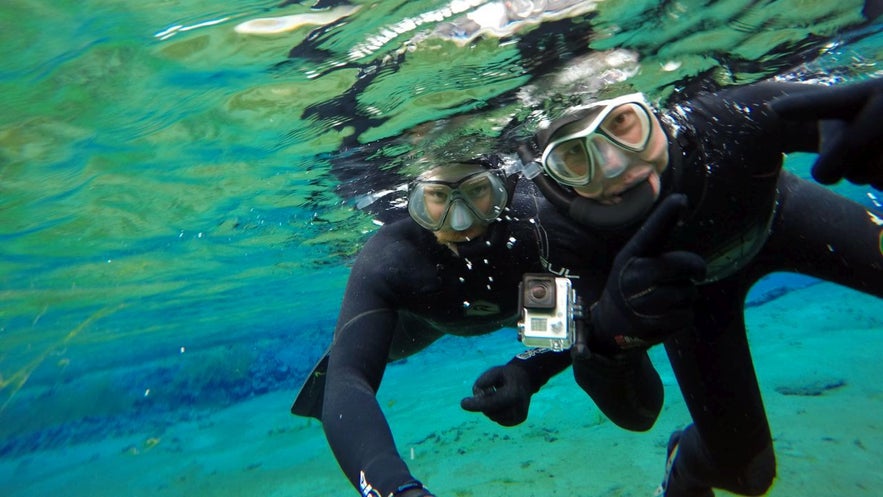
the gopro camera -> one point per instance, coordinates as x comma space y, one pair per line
547, 311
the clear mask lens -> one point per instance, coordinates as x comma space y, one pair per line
569, 163
627, 125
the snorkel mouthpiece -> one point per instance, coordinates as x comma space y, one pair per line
637, 202
460, 216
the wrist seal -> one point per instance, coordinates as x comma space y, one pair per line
411, 489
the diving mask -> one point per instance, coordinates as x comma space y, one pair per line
479, 196
601, 141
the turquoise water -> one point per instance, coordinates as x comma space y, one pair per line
179, 198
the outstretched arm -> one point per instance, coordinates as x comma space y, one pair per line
848, 119
355, 426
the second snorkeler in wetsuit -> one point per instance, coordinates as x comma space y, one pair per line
608, 162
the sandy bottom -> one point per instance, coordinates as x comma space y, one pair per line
827, 444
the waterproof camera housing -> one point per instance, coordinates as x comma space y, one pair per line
547, 311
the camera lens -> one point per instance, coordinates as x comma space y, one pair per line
539, 293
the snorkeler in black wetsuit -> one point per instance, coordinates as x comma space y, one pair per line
746, 217
453, 267
405, 291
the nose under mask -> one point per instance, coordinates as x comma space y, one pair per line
460, 216
613, 160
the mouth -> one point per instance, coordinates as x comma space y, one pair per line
615, 194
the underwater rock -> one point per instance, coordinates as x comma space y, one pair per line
811, 388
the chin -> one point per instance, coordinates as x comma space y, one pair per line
451, 236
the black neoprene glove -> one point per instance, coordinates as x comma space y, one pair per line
849, 123
502, 393
650, 291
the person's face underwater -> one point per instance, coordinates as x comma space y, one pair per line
458, 201
617, 145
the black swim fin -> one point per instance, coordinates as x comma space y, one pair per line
308, 402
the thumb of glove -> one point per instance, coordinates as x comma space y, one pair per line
502, 394
473, 404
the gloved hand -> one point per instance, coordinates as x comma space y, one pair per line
649, 292
502, 393
851, 133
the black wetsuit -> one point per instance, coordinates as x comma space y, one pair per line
406, 290
748, 218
